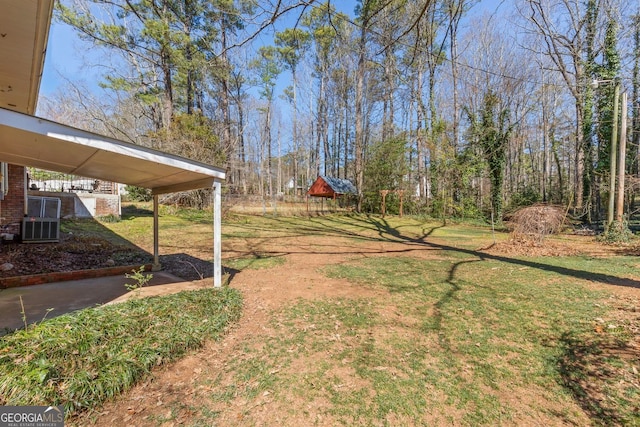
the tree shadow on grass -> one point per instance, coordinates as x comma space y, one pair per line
580, 274
582, 364
186, 266
191, 268
584, 370
359, 228
450, 295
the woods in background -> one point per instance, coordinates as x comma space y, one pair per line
471, 110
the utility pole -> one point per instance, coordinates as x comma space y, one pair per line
622, 159
612, 159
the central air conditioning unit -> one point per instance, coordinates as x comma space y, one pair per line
42, 223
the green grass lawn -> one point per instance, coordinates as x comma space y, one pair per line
480, 329
455, 343
447, 334
470, 332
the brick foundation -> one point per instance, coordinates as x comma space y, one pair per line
39, 279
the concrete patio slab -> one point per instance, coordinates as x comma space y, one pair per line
68, 296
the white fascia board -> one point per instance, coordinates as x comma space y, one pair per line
201, 183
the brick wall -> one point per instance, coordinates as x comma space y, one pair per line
108, 205
12, 207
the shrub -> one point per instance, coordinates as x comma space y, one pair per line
138, 194
617, 232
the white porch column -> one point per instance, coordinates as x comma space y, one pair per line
156, 262
217, 234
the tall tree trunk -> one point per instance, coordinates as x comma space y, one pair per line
635, 167
456, 10
359, 130
269, 154
320, 125
556, 158
588, 68
243, 157
421, 131
389, 79
166, 65
325, 133
296, 137
224, 95
167, 111
578, 178
347, 126
236, 80
190, 80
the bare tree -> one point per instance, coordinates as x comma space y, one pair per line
566, 30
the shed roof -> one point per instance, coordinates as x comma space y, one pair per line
340, 186
325, 186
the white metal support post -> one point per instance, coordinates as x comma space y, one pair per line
217, 234
156, 259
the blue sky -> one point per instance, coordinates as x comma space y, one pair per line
69, 58
60, 57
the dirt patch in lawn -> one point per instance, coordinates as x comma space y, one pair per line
207, 382
565, 245
174, 394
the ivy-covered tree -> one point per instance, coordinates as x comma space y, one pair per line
588, 144
608, 71
491, 131
635, 123
386, 169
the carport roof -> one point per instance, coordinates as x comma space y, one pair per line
31, 141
